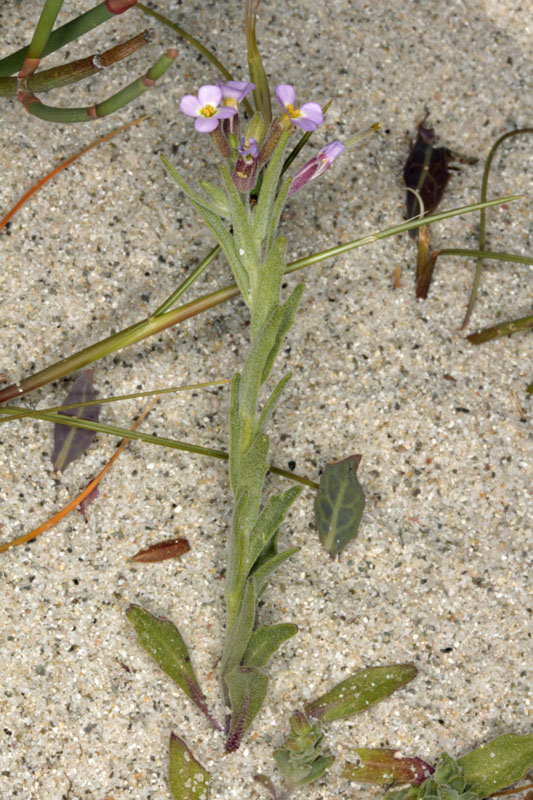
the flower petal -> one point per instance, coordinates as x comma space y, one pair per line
209, 95
236, 89
225, 112
313, 112
332, 150
190, 105
304, 123
206, 124
285, 94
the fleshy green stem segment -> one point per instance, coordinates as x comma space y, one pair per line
66, 33
34, 106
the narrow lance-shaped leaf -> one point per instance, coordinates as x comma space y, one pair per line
360, 691
339, 504
498, 764
383, 766
164, 642
188, 779
265, 641
71, 443
247, 688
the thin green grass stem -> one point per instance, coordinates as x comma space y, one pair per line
127, 433
485, 254
187, 283
148, 327
9, 416
483, 218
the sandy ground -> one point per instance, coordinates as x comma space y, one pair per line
439, 574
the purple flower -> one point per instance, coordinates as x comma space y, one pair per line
308, 117
206, 108
246, 167
316, 166
248, 148
234, 92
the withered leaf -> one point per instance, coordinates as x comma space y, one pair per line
71, 443
427, 172
170, 548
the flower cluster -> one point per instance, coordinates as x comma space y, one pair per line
220, 104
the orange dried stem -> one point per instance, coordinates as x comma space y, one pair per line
63, 165
85, 493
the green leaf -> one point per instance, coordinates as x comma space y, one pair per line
265, 641
385, 765
339, 504
235, 432
262, 574
296, 775
269, 521
242, 232
267, 196
223, 237
164, 642
276, 213
288, 310
266, 300
239, 633
360, 691
247, 687
402, 793
188, 779
254, 467
270, 404
219, 201
253, 370
499, 763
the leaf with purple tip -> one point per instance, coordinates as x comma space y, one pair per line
70, 443
164, 642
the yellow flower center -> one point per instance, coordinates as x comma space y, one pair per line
292, 112
208, 111
230, 101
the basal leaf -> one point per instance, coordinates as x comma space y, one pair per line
247, 687
498, 764
383, 766
265, 641
164, 642
360, 691
70, 443
188, 779
339, 504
